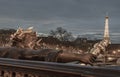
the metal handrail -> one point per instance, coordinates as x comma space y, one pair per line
57, 69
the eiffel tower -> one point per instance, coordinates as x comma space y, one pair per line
106, 31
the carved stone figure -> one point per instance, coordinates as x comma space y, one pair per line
25, 45
25, 39
49, 55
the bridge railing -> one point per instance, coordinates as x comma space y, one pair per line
26, 68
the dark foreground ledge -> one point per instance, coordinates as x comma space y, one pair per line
27, 68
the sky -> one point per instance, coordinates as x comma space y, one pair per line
77, 16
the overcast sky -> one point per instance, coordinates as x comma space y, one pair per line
77, 16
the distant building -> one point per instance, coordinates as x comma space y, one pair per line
113, 48
80, 40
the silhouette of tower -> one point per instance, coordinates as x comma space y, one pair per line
106, 31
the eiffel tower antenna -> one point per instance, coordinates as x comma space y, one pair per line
106, 13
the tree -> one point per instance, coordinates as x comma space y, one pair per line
61, 34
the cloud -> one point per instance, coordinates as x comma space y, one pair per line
77, 16
47, 9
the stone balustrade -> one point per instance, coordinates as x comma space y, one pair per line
28, 68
